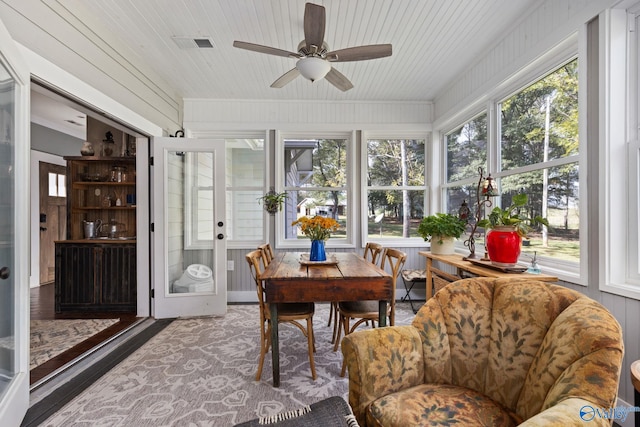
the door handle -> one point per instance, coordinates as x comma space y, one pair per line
220, 236
220, 223
43, 228
5, 273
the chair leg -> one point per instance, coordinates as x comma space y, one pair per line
264, 348
331, 310
342, 320
337, 323
310, 342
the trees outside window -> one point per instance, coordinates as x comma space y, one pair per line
539, 157
316, 180
395, 187
536, 153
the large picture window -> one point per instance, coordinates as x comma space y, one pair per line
394, 188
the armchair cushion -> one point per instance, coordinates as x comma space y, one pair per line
498, 349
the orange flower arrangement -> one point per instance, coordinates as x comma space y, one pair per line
317, 227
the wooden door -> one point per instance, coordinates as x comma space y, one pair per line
53, 214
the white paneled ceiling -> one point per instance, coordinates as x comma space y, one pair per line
433, 41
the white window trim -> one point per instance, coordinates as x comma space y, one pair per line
564, 53
304, 244
619, 199
411, 242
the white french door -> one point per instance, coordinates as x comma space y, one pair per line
14, 233
189, 238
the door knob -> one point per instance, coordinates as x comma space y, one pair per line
220, 223
5, 273
220, 236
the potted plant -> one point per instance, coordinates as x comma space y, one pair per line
441, 230
507, 228
273, 201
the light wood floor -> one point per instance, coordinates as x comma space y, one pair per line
42, 308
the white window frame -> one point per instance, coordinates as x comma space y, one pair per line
410, 242
565, 52
352, 196
619, 198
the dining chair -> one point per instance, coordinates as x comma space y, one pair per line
371, 253
365, 311
287, 313
267, 253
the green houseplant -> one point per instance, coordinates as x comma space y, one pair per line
273, 201
507, 227
441, 230
513, 217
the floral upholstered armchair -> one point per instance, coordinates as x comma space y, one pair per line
491, 352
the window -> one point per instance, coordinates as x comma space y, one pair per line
539, 157
244, 185
536, 152
466, 152
394, 188
57, 185
316, 176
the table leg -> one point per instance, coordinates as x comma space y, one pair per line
429, 278
275, 347
382, 314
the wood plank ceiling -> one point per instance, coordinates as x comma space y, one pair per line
433, 41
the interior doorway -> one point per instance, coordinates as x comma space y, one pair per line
59, 126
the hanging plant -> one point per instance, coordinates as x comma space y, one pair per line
273, 201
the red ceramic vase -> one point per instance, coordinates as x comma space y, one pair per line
503, 245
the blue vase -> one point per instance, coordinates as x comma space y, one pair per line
317, 251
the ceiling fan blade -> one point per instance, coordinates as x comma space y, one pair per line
338, 79
314, 24
265, 49
360, 53
286, 78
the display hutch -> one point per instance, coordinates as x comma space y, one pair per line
96, 265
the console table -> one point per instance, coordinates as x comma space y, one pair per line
469, 267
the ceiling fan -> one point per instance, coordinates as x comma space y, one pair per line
314, 57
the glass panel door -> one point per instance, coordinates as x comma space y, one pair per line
7, 227
189, 227
14, 233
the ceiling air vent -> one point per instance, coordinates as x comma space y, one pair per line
193, 42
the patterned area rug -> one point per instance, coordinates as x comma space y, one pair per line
49, 338
201, 372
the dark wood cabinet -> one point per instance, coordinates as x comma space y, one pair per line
95, 277
98, 274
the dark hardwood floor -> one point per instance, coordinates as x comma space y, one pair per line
42, 307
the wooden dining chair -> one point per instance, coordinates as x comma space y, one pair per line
267, 253
365, 311
287, 313
372, 252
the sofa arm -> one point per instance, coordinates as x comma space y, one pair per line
570, 412
381, 361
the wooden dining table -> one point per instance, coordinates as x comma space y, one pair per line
345, 276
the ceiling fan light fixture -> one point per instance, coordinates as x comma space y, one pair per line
313, 68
